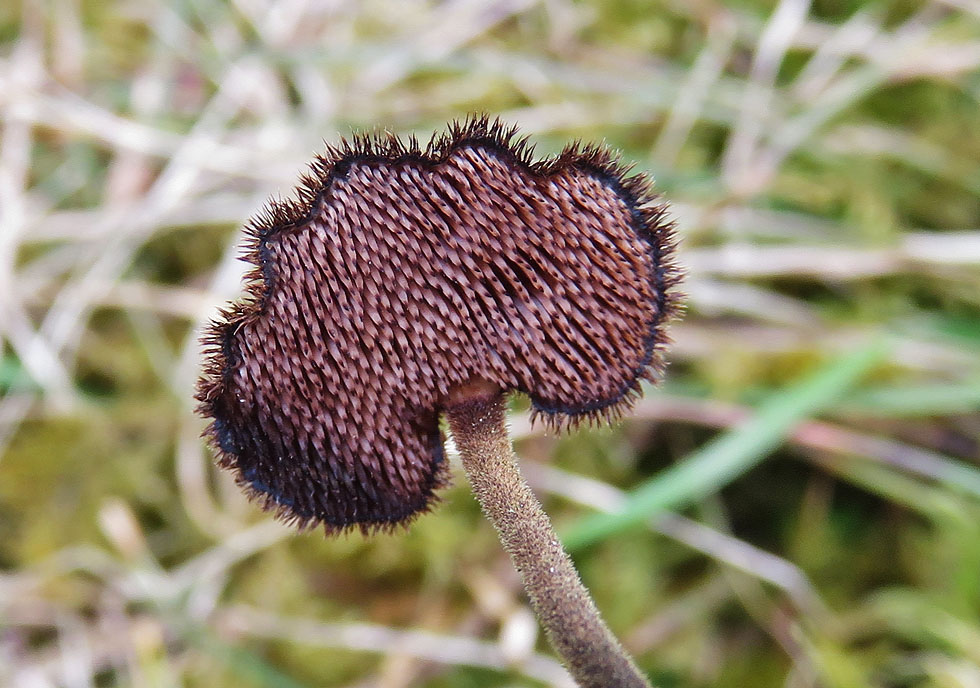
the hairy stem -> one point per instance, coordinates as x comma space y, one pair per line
563, 605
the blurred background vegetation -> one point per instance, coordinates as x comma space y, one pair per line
815, 445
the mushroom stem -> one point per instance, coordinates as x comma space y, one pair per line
563, 605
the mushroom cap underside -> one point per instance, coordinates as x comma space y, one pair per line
400, 274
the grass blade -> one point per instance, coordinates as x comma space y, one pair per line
733, 453
914, 400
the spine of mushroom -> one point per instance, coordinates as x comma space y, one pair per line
563, 605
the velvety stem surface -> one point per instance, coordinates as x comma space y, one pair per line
563, 605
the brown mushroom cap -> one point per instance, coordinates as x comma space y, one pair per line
399, 274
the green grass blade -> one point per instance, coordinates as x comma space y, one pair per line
734, 452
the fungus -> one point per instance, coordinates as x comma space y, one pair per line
405, 283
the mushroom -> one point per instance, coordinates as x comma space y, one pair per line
403, 284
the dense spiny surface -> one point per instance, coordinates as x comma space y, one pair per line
399, 274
